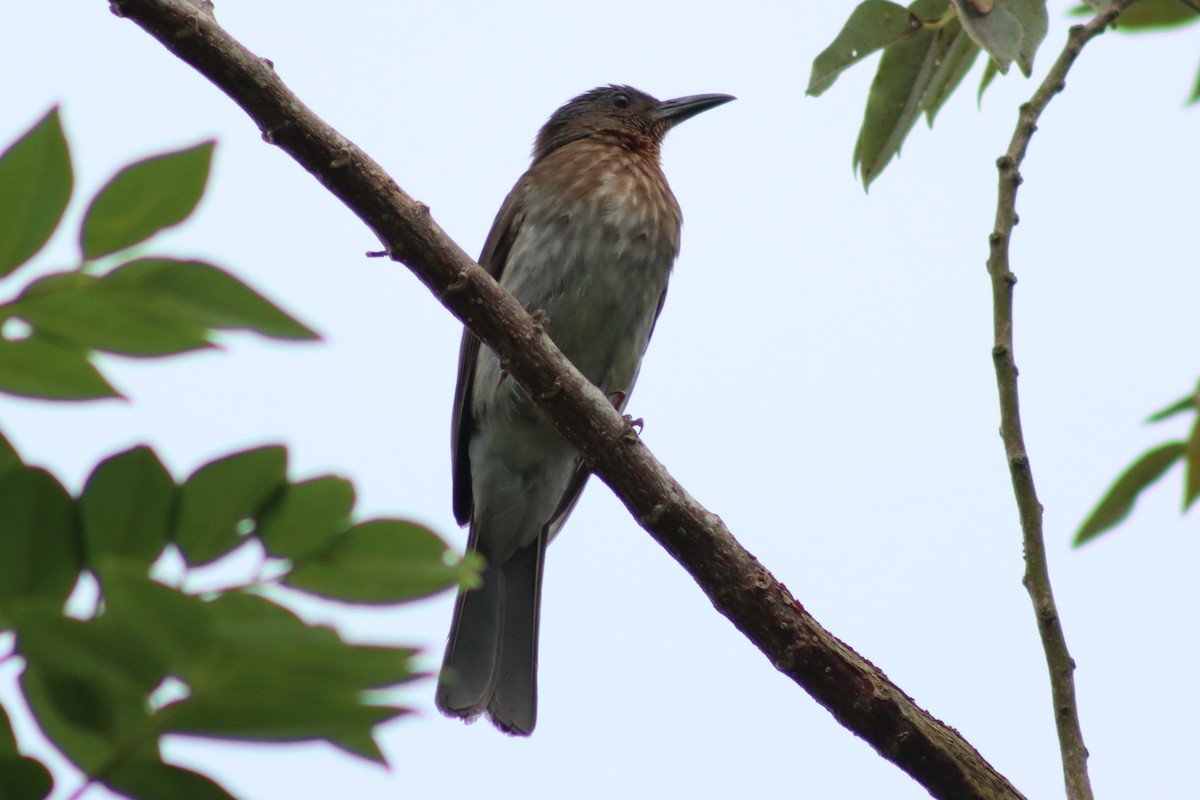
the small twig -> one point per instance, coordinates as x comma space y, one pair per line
1037, 575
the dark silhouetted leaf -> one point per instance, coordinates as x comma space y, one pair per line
1118, 501
381, 561
99, 315
956, 54
39, 367
201, 294
144, 198
306, 517
221, 494
40, 548
127, 506
35, 187
873, 25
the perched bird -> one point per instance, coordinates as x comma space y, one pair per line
586, 239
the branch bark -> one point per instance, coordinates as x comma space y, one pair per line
857, 693
1037, 575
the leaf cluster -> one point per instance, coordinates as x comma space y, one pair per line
113, 300
930, 46
106, 678
1146, 470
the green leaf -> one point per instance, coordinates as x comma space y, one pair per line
151, 779
1195, 96
956, 54
1032, 17
1191, 462
39, 367
203, 295
989, 74
40, 549
106, 708
897, 93
1186, 403
144, 198
306, 517
997, 31
8, 739
873, 25
359, 742
274, 678
21, 778
1118, 501
221, 494
84, 748
252, 633
9, 458
127, 506
103, 652
1147, 15
379, 562
179, 626
35, 186
276, 711
24, 778
87, 684
100, 315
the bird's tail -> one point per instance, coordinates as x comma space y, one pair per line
491, 658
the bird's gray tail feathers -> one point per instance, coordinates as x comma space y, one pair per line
491, 658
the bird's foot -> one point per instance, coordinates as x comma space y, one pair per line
540, 320
635, 425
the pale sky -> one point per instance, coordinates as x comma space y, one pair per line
821, 378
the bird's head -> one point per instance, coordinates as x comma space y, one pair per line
622, 112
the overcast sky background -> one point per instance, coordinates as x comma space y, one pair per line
821, 377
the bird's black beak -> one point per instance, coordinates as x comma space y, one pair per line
676, 111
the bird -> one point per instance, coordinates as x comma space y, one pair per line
586, 240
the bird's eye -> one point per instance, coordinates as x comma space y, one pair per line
622, 101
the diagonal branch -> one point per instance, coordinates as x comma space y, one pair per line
858, 694
1037, 574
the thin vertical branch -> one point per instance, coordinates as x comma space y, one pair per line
1037, 575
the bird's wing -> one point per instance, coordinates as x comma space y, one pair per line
493, 259
662, 301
